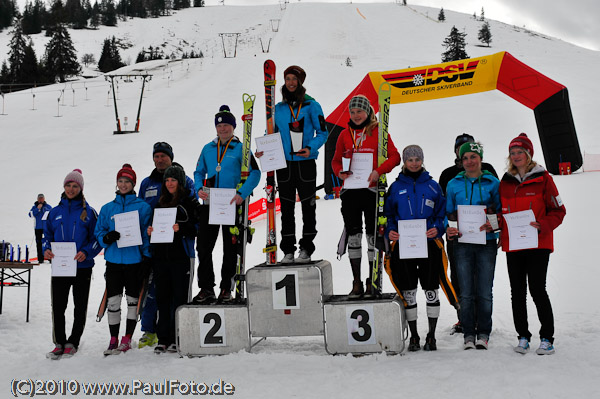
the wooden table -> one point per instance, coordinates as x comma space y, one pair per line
16, 274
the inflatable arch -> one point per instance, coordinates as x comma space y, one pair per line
548, 99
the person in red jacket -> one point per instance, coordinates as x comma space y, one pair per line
527, 185
361, 137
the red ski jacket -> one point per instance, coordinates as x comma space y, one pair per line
538, 193
367, 144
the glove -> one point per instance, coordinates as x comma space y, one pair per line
111, 237
145, 268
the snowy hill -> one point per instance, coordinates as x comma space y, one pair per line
70, 126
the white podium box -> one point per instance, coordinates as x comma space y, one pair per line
287, 301
212, 329
364, 325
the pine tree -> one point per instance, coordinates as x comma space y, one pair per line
95, 16
109, 16
485, 35
60, 60
198, 3
482, 17
455, 46
110, 59
8, 11
31, 69
441, 15
16, 54
32, 20
55, 16
4, 73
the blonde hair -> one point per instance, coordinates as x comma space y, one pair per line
372, 122
512, 169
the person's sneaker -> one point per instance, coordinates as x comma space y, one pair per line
414, 344
148, 339
204, 297
469, 343
288, 258
303, 257
481, 343
172, 348
546, 348
112, 347
357, 289
56, 353
456, 328
225, 296
69, 351
125, 344
160, 349
523, 346
430, 344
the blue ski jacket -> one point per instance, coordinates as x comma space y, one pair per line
106, 223
64, 224
38, 214
422, 198
311, 121
151, 187
231, 168
484, 190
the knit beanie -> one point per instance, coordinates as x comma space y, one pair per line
463, 138
74, 176
163, 147
128, 173
177, 173
225, 116
360, 102
471, 147
412, 150
296, 71
522, 141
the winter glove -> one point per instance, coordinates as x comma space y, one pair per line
145, 268
111, 237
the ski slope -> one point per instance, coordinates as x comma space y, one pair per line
67, 126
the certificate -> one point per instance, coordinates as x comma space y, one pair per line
413, 239
64, 263
220, 209
361, 167
164, 219
128, 225
521, 234
470, 219
273, 157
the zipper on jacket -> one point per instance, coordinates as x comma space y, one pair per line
62, 229
73, 235
422, 204
410, 206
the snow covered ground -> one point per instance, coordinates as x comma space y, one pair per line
40, 148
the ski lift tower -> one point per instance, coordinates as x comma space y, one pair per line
127, 79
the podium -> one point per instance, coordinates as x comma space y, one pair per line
364, 326
287, 300
203, 330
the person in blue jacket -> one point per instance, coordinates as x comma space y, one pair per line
72, 220
150, 191
415, 195
219, 166
38, 210
299, 118
174, 261
475, 263
126, 267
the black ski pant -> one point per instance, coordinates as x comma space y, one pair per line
355, 204
172, 290
60, 287
119, 277
530, 266
301, 177
206, 240
39, 234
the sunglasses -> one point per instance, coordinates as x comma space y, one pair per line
162, 144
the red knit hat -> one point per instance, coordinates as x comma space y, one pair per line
128, 173
522, 141
296, 71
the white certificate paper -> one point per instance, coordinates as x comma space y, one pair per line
521, 234
413, 239
220, 209
164, 219
128, 225
470, 219
64, 263
273, 157
361, 167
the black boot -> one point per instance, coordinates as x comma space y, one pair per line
357, 287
